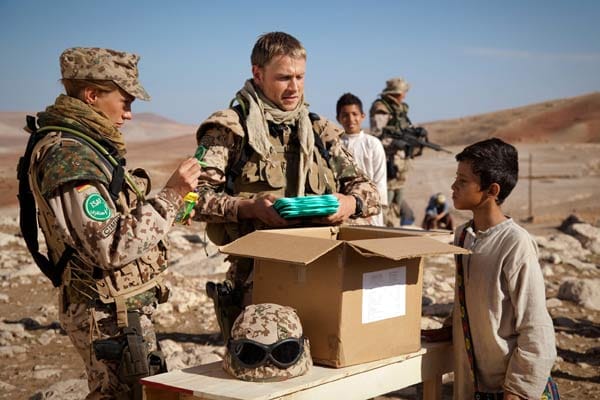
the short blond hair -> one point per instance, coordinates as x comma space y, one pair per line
274, 44
75, 87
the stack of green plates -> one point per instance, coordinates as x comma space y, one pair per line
308, 206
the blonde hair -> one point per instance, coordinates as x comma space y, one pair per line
75, 87
274, 44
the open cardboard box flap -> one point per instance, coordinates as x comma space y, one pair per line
397, 248
271, 245
265, 245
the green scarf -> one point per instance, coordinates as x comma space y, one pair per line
90, 120
261, 110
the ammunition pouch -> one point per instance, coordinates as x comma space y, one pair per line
228, 302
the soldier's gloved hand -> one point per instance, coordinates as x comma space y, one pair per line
346, 209
262, 209
185, 177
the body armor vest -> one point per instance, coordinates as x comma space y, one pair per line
399, 115
82, 281
278, 176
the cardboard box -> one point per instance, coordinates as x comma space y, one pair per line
357, 290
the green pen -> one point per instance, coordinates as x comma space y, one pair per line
199, 155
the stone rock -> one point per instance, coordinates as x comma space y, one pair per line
6, 239
71, 389
588, 236
585, 292
45, 372
4, 386
553, 302
430, 323
11, 351
581, 265
178, 241
561, 244
570, 220
4, 298
547, 270
551, 258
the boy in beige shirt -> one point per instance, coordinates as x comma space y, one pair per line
511, 331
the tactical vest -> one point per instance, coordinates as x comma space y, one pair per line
277, 175
399, 115
128, 286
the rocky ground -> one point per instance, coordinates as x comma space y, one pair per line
38, 362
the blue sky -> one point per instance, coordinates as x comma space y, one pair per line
461, 58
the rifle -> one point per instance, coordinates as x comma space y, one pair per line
410, 139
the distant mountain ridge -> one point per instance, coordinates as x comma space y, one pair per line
575, 119
142, 128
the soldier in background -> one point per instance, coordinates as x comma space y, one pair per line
106, 240
270, 146
391, 110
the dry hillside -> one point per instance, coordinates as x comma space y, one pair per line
573, 120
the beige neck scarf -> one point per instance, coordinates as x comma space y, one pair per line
260, 111
93, 122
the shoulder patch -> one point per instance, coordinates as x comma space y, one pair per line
96, 207
227, 119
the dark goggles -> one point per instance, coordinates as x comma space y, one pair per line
251, 354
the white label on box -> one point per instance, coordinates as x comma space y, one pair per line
384, 294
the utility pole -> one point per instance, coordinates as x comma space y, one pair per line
530, 217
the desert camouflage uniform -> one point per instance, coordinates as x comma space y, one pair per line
386, 112
223, 136
129, 249
120, 247
268, 324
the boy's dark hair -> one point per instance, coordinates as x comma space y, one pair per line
494, 161
348, 99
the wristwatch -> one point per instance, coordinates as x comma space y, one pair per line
358, 211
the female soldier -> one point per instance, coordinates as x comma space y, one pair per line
106, 241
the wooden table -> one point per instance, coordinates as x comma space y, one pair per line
361, 381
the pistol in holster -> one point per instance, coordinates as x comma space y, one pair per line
130, 349
228, 302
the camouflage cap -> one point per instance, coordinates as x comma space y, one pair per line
396, 86
103, 64
267, 324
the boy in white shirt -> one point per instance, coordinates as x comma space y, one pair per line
367, 150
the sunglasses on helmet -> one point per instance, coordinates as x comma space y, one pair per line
251, 354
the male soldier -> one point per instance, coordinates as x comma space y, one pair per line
106, 241
389, 110
270, 146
